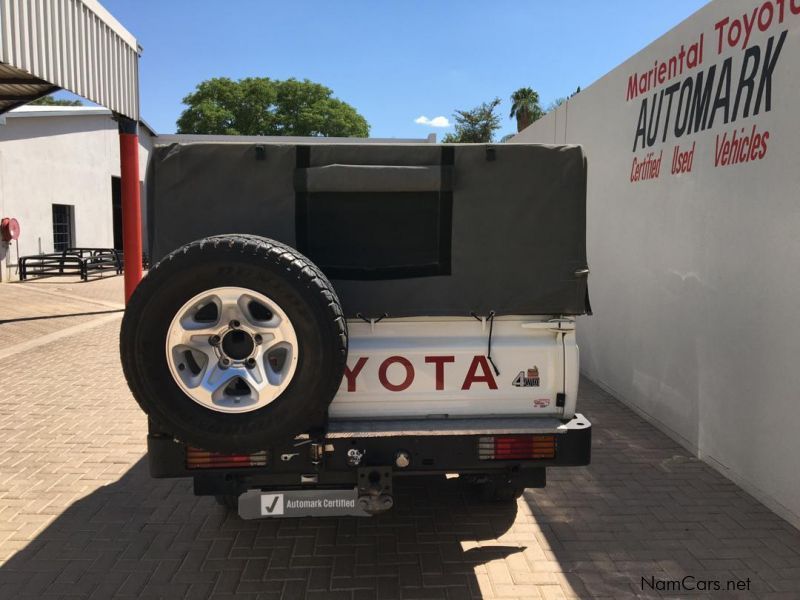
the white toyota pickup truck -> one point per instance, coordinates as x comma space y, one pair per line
323, 318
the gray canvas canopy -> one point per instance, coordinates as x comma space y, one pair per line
401, 230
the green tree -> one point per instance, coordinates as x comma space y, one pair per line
559, 101
475, 126
556, 103
525, 107
50, 101
264, 106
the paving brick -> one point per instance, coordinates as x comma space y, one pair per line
81, 518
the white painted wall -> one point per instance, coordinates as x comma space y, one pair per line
695, 277
61, 156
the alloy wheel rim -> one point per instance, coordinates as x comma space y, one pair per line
232, 349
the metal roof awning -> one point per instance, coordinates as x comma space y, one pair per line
76, 45
18, 87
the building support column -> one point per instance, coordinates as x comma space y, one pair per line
131, 203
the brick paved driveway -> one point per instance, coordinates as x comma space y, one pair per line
79, 516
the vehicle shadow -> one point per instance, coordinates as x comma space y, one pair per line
154, 539
646, 513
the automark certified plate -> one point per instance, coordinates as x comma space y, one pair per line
255, 504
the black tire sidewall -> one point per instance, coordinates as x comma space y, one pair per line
302, 404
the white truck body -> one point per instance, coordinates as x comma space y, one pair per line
437, 367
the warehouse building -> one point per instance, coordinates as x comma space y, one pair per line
75, 45
692, 237
60, 178
65, 178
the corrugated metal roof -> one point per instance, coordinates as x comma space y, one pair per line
71, 44
18, 87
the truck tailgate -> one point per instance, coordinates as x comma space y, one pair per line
437, 367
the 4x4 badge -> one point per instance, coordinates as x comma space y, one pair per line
527, 379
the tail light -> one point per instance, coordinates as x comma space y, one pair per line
516, 447
201, 459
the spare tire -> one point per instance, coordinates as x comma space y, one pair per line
233, 343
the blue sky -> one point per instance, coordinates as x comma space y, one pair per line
393, 61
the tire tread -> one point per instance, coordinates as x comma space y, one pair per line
269, 251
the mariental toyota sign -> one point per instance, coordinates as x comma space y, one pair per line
699, 88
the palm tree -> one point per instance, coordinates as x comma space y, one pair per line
525, 107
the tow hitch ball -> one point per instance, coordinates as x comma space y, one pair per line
375, 489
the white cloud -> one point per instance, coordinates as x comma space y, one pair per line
434, 122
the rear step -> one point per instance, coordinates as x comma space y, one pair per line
441, 426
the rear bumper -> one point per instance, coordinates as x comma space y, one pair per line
434, 446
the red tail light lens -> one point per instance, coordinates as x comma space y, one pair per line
517, 447
201, 459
